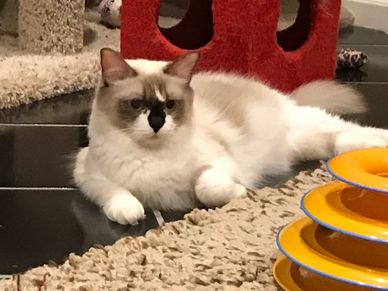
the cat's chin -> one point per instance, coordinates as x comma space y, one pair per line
161, 138
153, 140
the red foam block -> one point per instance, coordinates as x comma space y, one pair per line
239, 36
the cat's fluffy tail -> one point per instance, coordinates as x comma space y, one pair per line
330, 95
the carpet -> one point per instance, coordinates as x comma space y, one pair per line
26, 78
228, 248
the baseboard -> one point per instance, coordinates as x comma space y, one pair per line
369, 13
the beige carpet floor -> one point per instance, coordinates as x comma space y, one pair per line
228, 248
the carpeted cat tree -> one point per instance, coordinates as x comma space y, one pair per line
50, 26
44, 51
240, 36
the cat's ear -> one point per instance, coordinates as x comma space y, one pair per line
114, 68
183, 66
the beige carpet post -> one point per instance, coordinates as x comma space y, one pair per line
51, 26
9, 14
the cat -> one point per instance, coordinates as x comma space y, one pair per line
162, 137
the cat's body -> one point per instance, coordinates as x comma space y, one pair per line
235, 132
223, 126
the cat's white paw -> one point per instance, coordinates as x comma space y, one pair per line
124, 209
214, 188
348, 141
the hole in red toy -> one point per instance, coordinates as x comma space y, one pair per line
294, 24
194, 30
171, 12
288, 13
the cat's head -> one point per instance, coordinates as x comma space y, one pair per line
148, 105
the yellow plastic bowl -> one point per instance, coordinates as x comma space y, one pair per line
292, 277
367, 168
335, 255
349, 210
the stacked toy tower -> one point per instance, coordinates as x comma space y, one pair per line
343, 244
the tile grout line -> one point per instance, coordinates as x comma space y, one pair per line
364, 83
39, 188
159, 217
341, 45
42, 125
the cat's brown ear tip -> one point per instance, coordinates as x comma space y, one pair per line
104, 50
197, 54
107, 51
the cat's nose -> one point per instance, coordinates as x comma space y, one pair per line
156, 122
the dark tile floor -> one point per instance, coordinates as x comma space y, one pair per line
43, 217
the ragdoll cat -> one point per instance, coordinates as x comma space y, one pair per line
163, 138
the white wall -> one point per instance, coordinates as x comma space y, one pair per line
369, 13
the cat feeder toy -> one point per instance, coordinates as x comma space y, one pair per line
240, 36
342, 244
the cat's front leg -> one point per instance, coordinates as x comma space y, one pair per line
123, 207
215, 185
117, 202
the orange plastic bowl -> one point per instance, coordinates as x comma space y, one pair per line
292, 277
367, 168
334, 255
353, 211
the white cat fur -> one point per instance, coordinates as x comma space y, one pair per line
215, 160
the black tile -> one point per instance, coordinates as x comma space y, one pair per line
41, 226
169, 216
67, 109
174, 215
36, 156
376, 70
275, 180
360, 35
376, 97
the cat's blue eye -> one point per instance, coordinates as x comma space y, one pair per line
136, 103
